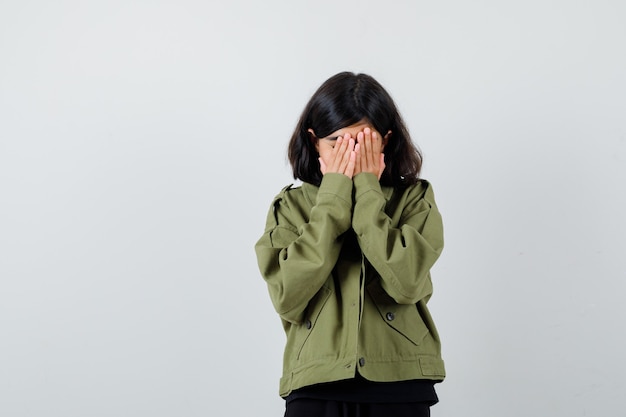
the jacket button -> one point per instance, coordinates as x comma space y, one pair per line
308, 324
390, 316
361, 362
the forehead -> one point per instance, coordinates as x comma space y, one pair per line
353, 129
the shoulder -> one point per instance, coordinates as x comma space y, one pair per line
288, 193
418, 194
422, 188
289, 208
289, 198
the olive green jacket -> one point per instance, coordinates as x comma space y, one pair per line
347, 266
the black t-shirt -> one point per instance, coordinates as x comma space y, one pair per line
361, 390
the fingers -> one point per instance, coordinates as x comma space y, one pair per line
351, 156
343, 156
372, 157
346, 156
369, 155
351, 164
342, 149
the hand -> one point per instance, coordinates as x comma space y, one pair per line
342, 158
369, 157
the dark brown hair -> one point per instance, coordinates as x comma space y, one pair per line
343, 100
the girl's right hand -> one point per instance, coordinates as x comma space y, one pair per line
341, 159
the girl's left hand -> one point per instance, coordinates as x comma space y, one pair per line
369, 156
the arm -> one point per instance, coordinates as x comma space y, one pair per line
403, 255
296, 259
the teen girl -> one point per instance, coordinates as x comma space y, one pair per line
347, 258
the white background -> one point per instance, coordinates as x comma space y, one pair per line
141, 143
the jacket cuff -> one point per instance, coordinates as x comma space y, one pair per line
364, 182
337, 185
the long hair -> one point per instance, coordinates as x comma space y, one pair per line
343, 100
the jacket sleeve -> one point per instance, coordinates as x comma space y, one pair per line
296, 259
402, 255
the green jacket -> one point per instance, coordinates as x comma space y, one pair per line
347, 266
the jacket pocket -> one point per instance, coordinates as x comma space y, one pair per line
311, 315
402, 318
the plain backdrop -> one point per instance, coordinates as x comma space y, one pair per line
141, 143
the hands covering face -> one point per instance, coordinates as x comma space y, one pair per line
352, 156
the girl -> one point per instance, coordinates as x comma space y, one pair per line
347, 258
